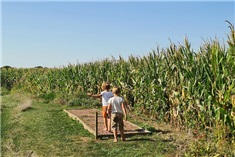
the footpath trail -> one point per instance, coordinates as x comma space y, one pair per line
92, 120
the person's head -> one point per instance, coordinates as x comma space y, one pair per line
105, 86
116, 90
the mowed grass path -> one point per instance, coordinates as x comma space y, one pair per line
44, 130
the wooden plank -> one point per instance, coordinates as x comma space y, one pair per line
96, 125
92, 120
140, 129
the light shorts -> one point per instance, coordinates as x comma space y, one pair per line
117, 120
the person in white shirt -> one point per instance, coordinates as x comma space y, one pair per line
106, 94
117, 110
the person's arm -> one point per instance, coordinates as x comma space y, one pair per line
124, 111
95, 95
109, 109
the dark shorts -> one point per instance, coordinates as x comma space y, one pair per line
117, 120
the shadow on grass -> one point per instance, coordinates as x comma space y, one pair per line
168, 140
140, 139
153, 130
162, 131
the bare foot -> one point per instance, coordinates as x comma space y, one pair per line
115, 140
123, 139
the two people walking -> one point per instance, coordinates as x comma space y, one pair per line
113, 109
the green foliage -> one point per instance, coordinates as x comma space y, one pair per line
45, 130
4, 91
48, 96
207, 148
83, 102
177, 85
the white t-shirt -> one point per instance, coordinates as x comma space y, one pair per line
116, 104
105, 97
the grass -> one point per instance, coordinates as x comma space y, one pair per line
43, 129
33, 127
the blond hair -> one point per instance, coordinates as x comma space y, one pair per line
116, 90
105, 86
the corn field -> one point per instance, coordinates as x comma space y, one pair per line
177, 85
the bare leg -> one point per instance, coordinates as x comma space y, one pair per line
109, 124
104, 112
105, 124
115, 135
122, 134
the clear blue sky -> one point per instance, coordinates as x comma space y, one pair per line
56, 33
